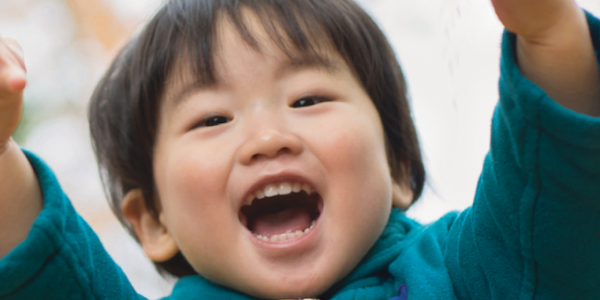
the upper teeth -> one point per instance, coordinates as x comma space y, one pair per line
271, 190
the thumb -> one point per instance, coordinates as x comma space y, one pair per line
16, 50
12, 67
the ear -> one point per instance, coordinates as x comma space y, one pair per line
402, 194
155, 238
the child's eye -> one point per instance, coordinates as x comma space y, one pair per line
213, 121
309, 101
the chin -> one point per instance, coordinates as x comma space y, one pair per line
297, 288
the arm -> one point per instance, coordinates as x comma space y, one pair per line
533, 230
554, 50
47, 251
20, 196
51, 252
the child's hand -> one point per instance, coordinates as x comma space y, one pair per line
12, 83
20, 196
554, 50
535, 19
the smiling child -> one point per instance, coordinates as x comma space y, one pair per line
265, 149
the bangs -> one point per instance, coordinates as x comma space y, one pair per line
294, 27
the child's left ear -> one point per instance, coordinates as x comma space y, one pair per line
155, 238
402, 194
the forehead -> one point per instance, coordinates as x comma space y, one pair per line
236, 51
270, 47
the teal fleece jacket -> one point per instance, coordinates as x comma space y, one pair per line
533, 231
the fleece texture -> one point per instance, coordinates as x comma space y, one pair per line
533, 231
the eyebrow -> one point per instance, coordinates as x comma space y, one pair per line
312, 62
295, 64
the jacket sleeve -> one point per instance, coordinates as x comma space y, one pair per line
534, 229
62, 258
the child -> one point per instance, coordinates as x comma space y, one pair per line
256, 149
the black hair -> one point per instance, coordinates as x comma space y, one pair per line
124, 109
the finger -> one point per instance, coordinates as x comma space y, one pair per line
12, 72
12, 80
15, 48
17, 81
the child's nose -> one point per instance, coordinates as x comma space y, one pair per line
269, 143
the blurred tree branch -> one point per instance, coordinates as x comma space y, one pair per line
96, 20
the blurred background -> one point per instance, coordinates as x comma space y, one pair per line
449, 50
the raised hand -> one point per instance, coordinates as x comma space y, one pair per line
554, 50
12, 83
535, 19
20, 196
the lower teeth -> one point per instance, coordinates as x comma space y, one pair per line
285, 236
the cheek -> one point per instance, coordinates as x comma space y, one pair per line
360, 186
191, 188
353, 151
189, 179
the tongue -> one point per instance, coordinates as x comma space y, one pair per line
288, 220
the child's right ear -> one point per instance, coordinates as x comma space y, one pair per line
155, 238
402, 195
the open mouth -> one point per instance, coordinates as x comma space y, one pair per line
281, 212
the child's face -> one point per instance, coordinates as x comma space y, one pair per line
272, 122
